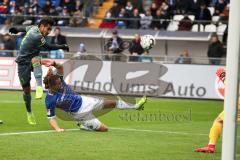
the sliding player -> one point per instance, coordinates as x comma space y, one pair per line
217, 126
28, 59
81, 108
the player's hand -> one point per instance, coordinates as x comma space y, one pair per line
65, 47
60, 130
13, 30
47, 62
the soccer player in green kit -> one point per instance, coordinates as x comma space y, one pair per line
28, 59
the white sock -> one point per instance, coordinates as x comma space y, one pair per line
123, 105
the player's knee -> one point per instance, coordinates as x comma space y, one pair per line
27, 89
36, 60
218, 120
103, 128
109, 104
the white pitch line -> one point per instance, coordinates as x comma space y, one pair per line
32, 132
157, 131
9, 102
113, 128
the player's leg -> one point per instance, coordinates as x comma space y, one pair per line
24, 74
120, 104
93, 124
214, 135
27, 100
37, 70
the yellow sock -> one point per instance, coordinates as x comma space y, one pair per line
215, 132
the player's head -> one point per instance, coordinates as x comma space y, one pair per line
53, 82
45, 26
221, 73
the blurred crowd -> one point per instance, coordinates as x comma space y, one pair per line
136, 14
70, 11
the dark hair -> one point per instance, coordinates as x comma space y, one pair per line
50, 81
46, 21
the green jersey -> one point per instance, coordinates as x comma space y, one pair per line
30, 45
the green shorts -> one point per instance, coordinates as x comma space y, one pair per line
24, 74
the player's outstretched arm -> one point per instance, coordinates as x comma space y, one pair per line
49, 63
16, 30
54, 125
59, 68
64, 47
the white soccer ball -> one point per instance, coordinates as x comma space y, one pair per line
147, 42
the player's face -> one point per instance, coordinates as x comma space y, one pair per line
57, 86
222, 76
45, 30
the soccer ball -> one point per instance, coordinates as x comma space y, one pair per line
147, 42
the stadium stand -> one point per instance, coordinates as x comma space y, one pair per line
80, 19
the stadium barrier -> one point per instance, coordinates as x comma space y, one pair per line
123, 78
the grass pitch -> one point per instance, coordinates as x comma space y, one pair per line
168, 129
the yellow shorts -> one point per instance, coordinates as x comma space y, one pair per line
221, 115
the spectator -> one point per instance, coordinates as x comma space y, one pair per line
17, 18
159, 2
138, 4
5, 28
215, 50
58, 39
3, 10
136, 48
29, 20
146, 20
36, 8
115, 10
69, 5
121, 3
77, 20
47, 7
153, 9
114, 46
129, 9
64, 21
225, 14
184, 58
172, 6
82, 50
8, 45
89, 6
220, 5
203, 14
114, 42
185, 24
182, 6
134, 23
159, 21
195, 5
165, 14
121, 23
12, 6
78, 5
108, 22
